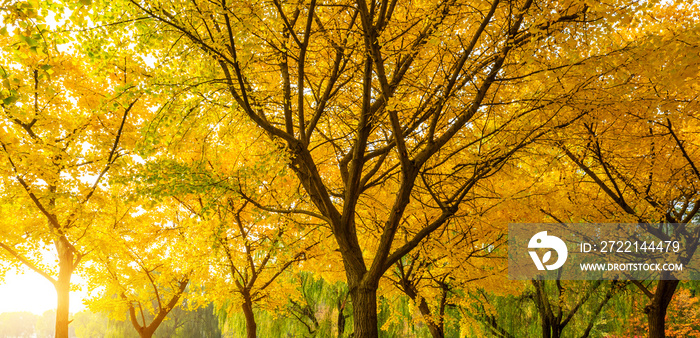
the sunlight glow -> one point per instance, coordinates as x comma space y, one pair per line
31, 292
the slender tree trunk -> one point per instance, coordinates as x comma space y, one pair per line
341, 318
435, 328
550, 329
250, 325
147, 331
542, 304
656, 310
62, 286
364, 311
341, 325
434, 324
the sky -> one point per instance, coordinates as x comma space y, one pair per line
32, 292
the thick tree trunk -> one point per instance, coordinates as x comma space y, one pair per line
657, 321
62, 305
250, 325
546, 332
656, 310
364, 311
556, 331
62, 286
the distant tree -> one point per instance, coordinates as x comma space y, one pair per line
202, 323
636, 159
46, 324
17, 324
90, 325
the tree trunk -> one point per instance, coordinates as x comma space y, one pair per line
341, 324
550, 329
546, 331
542, 304
556, 331
147, 332
250, 326
62, 286
62, 305
364, 311
656, 310
435, 325
435, 328
341, 316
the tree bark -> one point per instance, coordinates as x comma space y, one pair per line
436, 329
250, 325
147, 331
551, 323
435, 325
364, 311
546, 332
656, 310
62, 286
341, 318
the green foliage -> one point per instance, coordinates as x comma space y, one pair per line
202, 322
90, 325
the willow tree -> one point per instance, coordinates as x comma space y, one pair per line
386, 110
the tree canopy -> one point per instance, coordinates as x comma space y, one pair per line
184, 153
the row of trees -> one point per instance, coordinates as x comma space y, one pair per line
314, 314
202, 322
210, 150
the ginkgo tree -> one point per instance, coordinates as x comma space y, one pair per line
62, 132
247, 248
461, 257
366, 97
247, 233
387, 126
635, 158
144, 262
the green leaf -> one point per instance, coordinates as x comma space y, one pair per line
10, 100
31, 42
